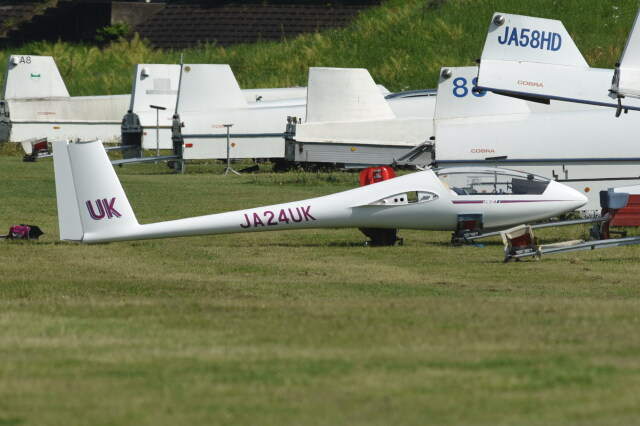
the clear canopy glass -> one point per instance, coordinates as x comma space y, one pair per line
490, 180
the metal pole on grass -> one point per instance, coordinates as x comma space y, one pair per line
228, 126
157, 108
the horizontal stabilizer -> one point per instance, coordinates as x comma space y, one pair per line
274, 94
32, 77
344, 94
209, 87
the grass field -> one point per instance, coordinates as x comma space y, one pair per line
302, 327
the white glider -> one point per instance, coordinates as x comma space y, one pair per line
92, 205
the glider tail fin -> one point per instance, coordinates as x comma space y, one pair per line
154, 84
208, 87
91, 201
344, 94
626, 81
517, 38
535, 58
457, 97
28, 77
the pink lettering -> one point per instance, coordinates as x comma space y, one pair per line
111, 211
299, 215
306, 213
283, 216
271, 218
256, 220
271, 215
92, 213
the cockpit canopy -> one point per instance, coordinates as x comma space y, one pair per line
490, 180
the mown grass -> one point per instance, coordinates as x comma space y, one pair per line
403, 43
305, 327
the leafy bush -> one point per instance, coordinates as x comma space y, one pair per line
111, 33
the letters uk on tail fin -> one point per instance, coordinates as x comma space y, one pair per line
89, 194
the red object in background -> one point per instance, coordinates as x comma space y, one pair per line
521, 241
629, 215
40, 146
471, 224
376, 174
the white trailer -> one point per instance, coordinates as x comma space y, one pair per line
36, 104
210, 103
156, 85
349, 121
211, 98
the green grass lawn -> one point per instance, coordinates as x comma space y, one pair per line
301, 327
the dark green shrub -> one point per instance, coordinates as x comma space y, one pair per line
106, 35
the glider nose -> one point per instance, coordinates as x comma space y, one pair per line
573, 199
